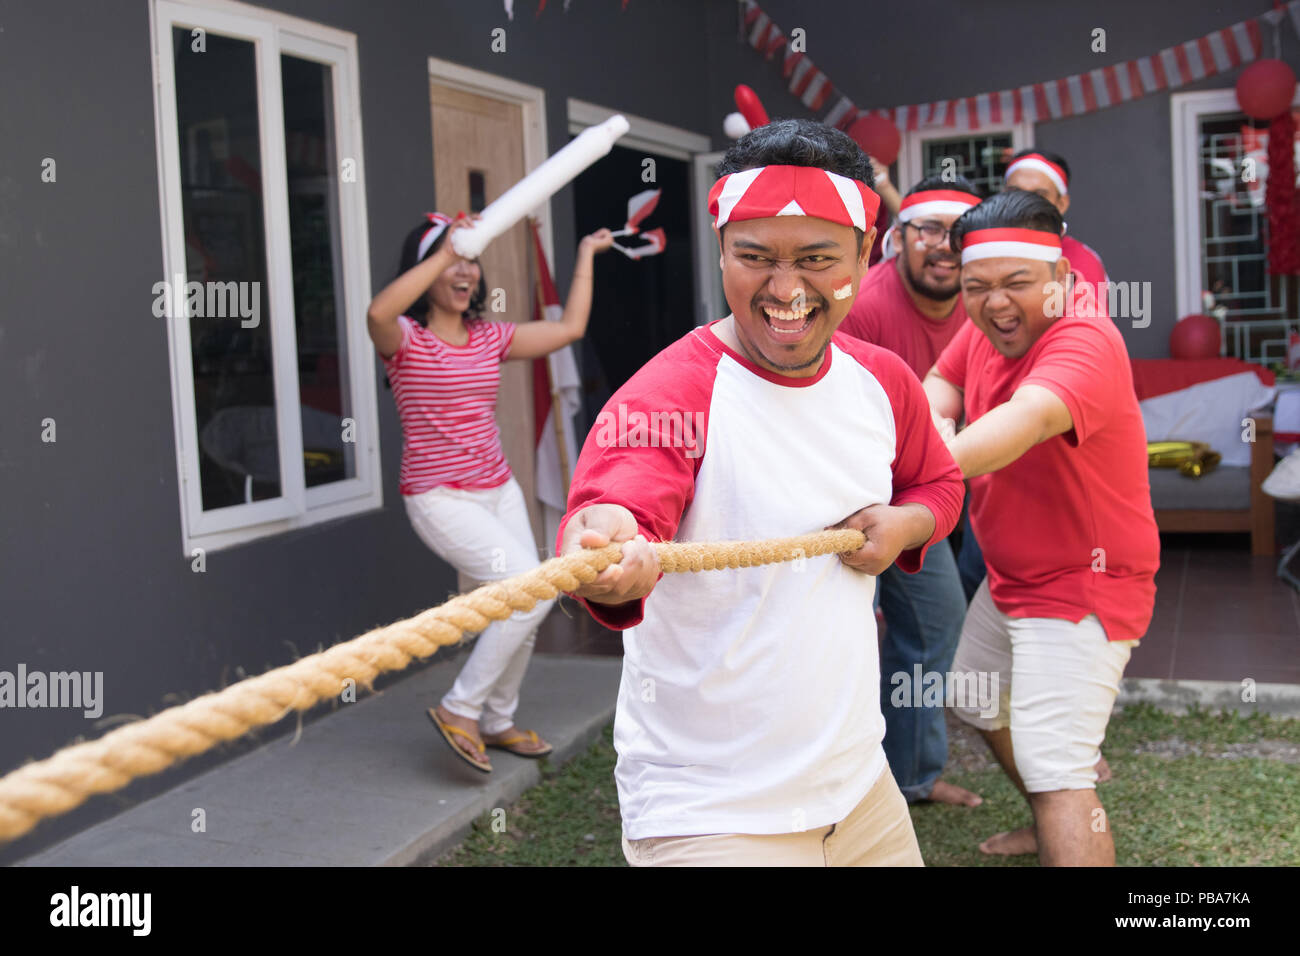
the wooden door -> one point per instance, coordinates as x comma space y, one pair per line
478, 153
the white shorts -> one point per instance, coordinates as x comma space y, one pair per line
1056, 683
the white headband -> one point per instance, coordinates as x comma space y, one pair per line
1048, 169
1010, 242
936, 202
440, 222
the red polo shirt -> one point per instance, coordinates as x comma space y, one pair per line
1067, 529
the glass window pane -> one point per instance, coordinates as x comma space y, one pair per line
225, 257
1233, 167
981, 159
328, 442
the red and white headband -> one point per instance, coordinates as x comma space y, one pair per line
1013, 243
936, 202
437, 223
793, 191
1045, 166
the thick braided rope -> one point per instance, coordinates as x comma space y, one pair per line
55, 785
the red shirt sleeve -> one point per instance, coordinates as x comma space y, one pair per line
951, 363
924, 470
635, 454
394, 361
505, 334
1083, 365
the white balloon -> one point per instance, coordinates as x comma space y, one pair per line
735, 126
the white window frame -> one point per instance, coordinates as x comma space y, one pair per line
1185, 112
911, 151
298, 506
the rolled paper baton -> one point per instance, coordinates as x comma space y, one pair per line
538, 186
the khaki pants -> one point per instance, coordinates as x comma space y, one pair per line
877, 832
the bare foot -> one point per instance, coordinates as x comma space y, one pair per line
529, 745
1103, 769
1014, 843
470, 727
945, 792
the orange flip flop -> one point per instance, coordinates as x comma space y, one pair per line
529, 736
447, 730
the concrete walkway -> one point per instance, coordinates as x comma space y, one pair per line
372, 784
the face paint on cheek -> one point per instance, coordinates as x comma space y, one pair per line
919, 245
843, 290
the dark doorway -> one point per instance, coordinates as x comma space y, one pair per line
640, 306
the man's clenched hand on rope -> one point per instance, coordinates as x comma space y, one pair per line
633, 577
890, 530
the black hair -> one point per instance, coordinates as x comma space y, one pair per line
1051, 157
960, 184
799, 142
419, 309
1009, 209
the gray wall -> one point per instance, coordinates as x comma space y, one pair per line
90, 542
93, 578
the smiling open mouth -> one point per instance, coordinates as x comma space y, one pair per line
790, 321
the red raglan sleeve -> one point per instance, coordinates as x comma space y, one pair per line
924, 471
644, 451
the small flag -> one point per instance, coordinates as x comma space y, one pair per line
639, 208
655, 239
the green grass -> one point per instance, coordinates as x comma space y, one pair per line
550, 823
1180, 811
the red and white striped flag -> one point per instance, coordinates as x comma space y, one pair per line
555, 382
1099, 88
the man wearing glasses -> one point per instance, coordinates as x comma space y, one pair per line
912, 307
748, 726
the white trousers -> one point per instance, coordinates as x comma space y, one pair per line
485, 534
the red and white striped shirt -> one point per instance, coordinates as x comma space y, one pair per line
446, 395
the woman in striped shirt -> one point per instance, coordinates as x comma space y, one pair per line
444, 362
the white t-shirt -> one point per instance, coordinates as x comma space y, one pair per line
750, 698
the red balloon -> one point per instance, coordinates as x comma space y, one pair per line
878, 136
750, 107
1265, 88
1195, 337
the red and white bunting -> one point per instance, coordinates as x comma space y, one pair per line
1075, 95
